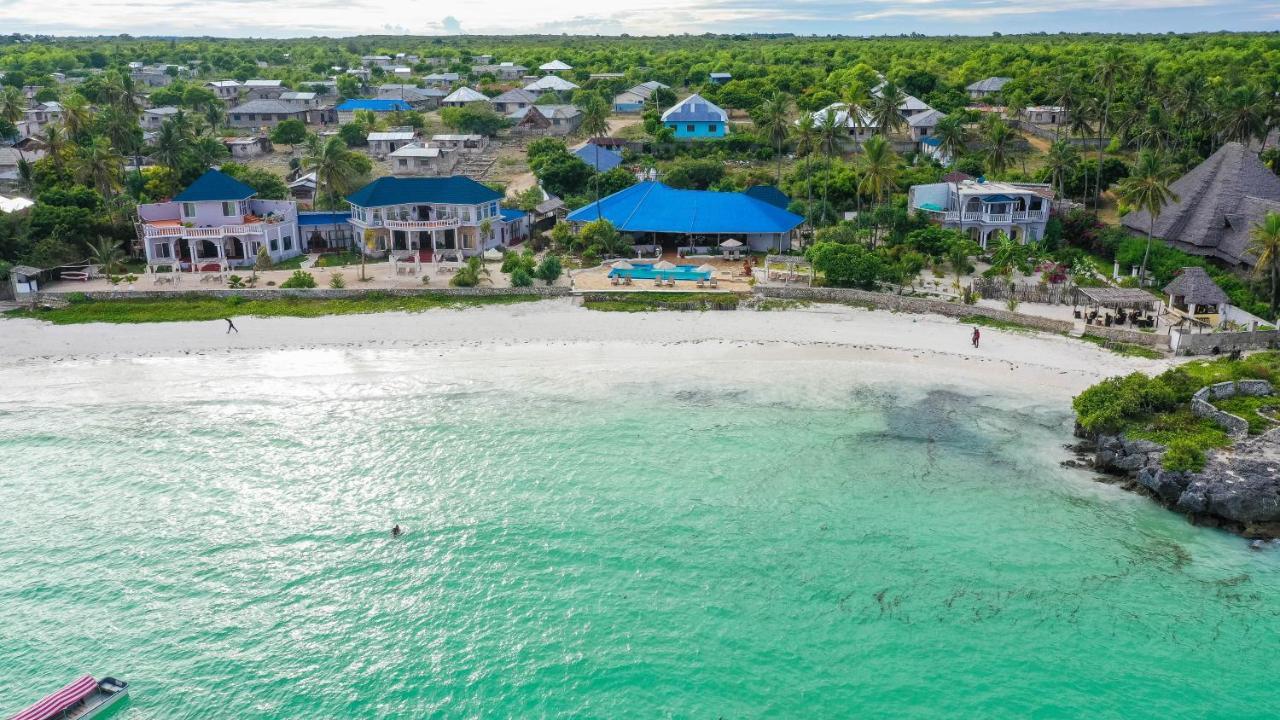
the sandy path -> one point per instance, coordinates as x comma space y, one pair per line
896, 343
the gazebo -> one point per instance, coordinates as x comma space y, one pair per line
793, 264
1194, 296
1129, 305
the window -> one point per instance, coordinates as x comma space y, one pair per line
188, 209
274, 246
688, 128
228, 209
712, 127
163, 250
404, 163
288, 243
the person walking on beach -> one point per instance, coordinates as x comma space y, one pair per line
231, 326
976, 337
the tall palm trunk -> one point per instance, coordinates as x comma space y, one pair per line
1097, 183
1142, 270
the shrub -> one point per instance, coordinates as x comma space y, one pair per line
336, 281
234, 300
77, 297
520, 278
235, 282
299, 279
550, 269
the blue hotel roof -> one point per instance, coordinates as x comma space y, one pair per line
455, 190
510, 214
654, 207
215, 185
374, 104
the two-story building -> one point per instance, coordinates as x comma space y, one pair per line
696, 118
153, 118
217, 223
983, 209
860, 125
418, 159
226, 90
433, 217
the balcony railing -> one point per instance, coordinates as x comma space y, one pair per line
202, 232
423, 224
981, 217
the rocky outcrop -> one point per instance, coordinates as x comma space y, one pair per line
1239, 487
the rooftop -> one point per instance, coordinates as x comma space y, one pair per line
215, 185
654, 207
695, 108
1196, 287
374, 105
455, 190
266, 106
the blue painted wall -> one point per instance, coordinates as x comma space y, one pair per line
701, 130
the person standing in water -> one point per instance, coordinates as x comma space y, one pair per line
231, 326
976, 337
396, 531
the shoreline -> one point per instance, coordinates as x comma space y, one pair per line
1040, 363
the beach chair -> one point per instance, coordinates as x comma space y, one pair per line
714, 282
657, 282
701, 282
613, 280
671, 282
626, 280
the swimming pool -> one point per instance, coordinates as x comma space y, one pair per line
646, 271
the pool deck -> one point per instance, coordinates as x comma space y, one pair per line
728, 275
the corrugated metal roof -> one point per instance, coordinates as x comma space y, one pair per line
215, 185
602, 159
374, 104
654, 207
695, 108
455, 190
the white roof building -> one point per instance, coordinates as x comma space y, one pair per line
555, 66
550, 83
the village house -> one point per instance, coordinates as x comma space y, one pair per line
719, 78
156, 76
547, 119
153, 118
432, 218
922, 124
460, 143
217, 223
225, 90
464, 96
634, 100
263, 89
982, 210
986, 88
322, 88
442, 80
1046, 115
375, 60
860, 126
263, 113
305, 100
384, 143
555, 66
550, 83
417, 159
696, 118
600, 159
513, 100
303, 188
347, 110
42, 115
243, 148
506, 71
418, 98
1219, 203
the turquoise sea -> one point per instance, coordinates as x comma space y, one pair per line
627, 543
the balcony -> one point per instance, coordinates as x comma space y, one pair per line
203, 232
422, 224
995, 218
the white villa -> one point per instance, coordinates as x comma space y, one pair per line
216, 224
860, 127
982, 209
433, 218
420, 159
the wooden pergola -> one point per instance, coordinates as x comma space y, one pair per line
793, 263
1120, 300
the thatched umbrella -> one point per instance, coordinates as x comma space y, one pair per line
707, 269
731, 243
623, 265
663, 265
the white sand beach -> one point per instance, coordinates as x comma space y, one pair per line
764, 344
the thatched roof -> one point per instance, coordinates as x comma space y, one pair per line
1219, 201
1197, 288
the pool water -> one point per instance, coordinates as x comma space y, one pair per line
646, 271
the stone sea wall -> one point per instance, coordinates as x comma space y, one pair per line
1225, 342
1151, 340
902, 303
320, 293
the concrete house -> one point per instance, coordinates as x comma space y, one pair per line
547, 119
417, 159
555, 66
42, 115
983, 209
418, 98
513, 100
153, 118
264, 113
464, 96
217, 223
633, 100
860, 125
696, 118
719, 78
1046, 115
347, 110
502, 71
225, 90
304, 100
263, 89
442, 80
382, 144
921, 125
433, 218
243, 148
460, 143
550, 83
986, 88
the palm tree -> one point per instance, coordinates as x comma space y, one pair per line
12, 104
335, 166
55, 143
76, 115
1265, 246
214, 115
1061, 161
170, 146
1147, 188
885, 113
106, 254
1245, 115
1109, 70
879, 170
999, 146
595, 116
858, 103
773, 120
831, 134
804, 136
1154, 134
98, 164
952, 135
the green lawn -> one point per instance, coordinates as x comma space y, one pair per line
1123, 348
645, 302
185, 308
985, 321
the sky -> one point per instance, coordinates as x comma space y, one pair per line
338, 18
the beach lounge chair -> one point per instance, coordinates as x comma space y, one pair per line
657, 282
714, 282
671, 282
613, 280
626, 280
701, 282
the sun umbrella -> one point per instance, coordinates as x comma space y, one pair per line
731, 243
706, 269
623, 265
492, 254
663, 265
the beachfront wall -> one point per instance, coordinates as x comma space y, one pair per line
1185, 343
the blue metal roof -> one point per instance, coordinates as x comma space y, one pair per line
215, 185
308, 219
374, 104
654, 207
456, 190
769, 194
599, 158
997, 199
510, 214
695, 108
